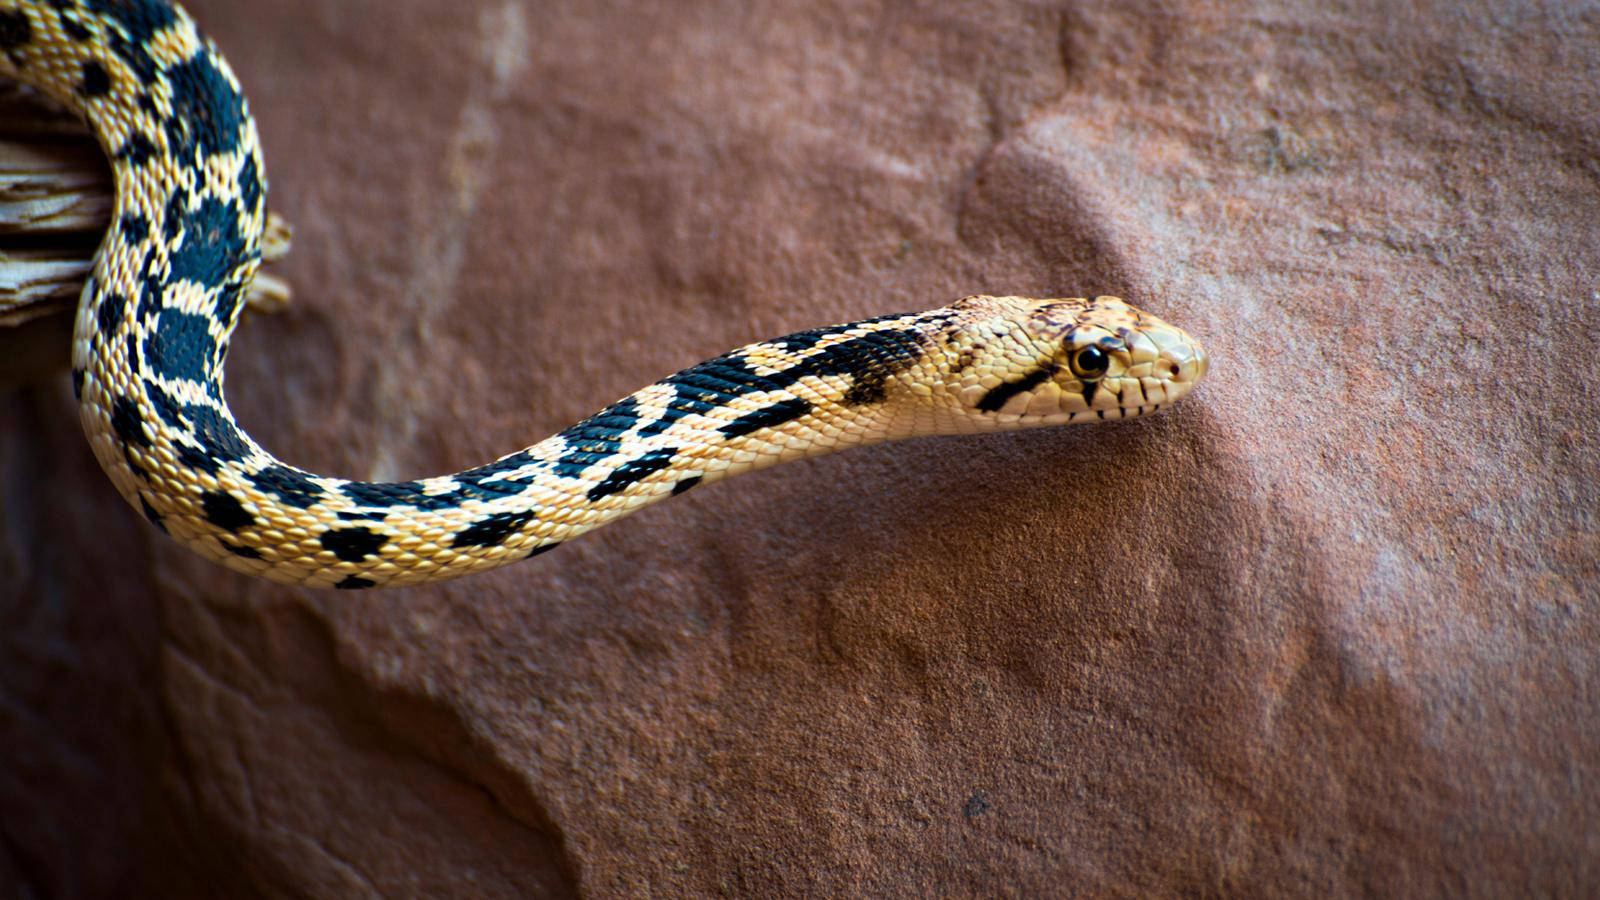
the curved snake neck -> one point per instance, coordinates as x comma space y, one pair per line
166, 291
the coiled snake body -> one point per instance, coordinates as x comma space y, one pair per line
153, 325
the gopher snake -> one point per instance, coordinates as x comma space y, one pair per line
154, 319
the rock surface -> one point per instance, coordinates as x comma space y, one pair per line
1331, 625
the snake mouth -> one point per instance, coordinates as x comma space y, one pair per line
1119, 412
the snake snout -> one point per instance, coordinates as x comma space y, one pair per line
1185, 362
1180, 364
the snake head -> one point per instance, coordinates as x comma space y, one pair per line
1019, 362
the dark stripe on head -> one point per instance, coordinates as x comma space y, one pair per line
999, 396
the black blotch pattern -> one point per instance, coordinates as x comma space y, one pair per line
597, 438
206, 110
112, 306
75, 29
766, 417
545, 548
166, 406
702, 388
632, 472
151, 287
355, 583
686, 484
870, 359
181, 346
291, 486
175, 216
386, 494
889, 317
225, 511
135, 228
492, 530
77, 384
353, 544
197, 460
140, 20
130, 350
802, 340
483, 483
220, 438
15, 32
873, 358
96, 80
805, 340
151, 515
241, 550
476, 483
996, 398
250, 183
129, 427
212, 246
227, 303
1089, 388
127, 423
138, 149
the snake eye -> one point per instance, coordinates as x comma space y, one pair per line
1090, 363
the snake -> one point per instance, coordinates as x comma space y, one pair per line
165, 293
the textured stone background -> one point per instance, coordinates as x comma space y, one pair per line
1331, 625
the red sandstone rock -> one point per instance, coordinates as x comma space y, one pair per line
1332, 625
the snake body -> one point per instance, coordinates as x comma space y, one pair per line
153, 324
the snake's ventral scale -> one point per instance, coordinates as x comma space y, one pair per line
153, 324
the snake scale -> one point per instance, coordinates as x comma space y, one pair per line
153, 323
